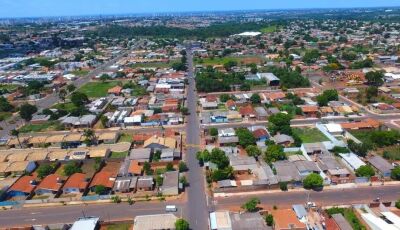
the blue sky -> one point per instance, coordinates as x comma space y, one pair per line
37, 8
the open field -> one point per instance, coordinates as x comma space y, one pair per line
269, 29
309, 135
97, 89
80, 72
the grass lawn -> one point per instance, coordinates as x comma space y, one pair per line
122, 226
391, 152
97, 89
5, 115
362, 135
293, 153
118, 154
47, 126
310, 135
8, 87
152, 65
80, 72
350, 216
269, 29
125, 138
69, 107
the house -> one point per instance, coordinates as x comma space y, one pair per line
383, 166
168, 155
227, 184
261, 113
87, 223
283, 139
23, 187
306, 167
156, 142
261, 134
19, 168
248, 220
314, 148
230, 104
140, 155
170, 185
334, 129
227, 132
286, 171
39, 119
352, 160
76, 183
309, 110
220, 220
337, 173
50, 185
242, 164
286, 219
145, 183
115, 91
365, 124
103, 178
218, 117
271, 79
155, 222
341, 222
37, 141
272, 97
124, 184
326, 111
226, 141
247, 111
107, 137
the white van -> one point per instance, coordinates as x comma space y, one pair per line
170, 208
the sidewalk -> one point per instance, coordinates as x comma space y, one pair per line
330, 187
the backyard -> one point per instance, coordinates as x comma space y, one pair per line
97, 89
310, 135
47, 126
115, 155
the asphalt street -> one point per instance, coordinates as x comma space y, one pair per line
197, 201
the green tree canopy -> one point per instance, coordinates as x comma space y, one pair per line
246, 137
365, 171
251, 205
79, 99
181, 224
274, 153
253, 150
375, 78
313, 181
26, 111
395, 175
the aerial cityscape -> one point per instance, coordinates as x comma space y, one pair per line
212, 115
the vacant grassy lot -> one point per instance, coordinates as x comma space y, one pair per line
47, 126
269, 29
69, 107
118, 155
362, 135
125, 138
5, 115
97, 89
80, 72
310, 135
122, 226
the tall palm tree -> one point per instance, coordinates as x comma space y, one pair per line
15, 133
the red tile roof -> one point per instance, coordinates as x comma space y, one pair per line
77, 180
230, 103
260, 133
50, 182
103, 178
309, 108
247, 110
23, 184
116, 89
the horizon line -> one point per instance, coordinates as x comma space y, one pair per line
162, 13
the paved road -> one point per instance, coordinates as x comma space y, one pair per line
69, 214
324, 198
197, 204
53, 98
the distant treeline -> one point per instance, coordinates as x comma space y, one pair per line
216, 30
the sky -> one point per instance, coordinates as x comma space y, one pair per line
40, 8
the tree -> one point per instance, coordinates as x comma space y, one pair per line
5, 106
246, 137
274, 153
397, 204
313, 181
224, 97
100, 189
253, 150
213, 132
203, 156
283, 186
269, 219
375, 78
365, 171
26, 111
169, 167
62, 94
159, 180
71, 88
219, 158
182, 166
104, 77
15, 133
222, 174
395, 175
359, 149
228, 65
71, 168
251, 205
327, 96
79, 99
181, 224
279, 122
255, 99
147, 168
44, 170
89, 135
311, 56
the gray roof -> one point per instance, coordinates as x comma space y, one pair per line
167, 153
306, 166
240, 163
121, 184
342, 222
171, 179
327, 161
247, 221
260, 111
225, 184
282, 138
140, 155
228, 140
145, 182
381, 164
286, 171
299, 210
265, 175
314, 147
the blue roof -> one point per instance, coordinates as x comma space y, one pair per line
299, 210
